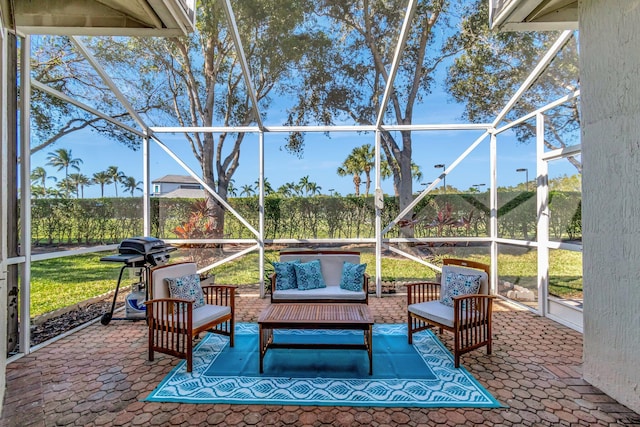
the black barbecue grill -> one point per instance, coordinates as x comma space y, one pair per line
141, 253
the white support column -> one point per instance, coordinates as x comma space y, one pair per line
493, 208
542, 187
25, 194
3, 208
146, 183
261, 212
379, 206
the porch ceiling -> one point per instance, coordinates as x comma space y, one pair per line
534, 15
100, 17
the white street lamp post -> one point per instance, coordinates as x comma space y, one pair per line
526, 171
444, 178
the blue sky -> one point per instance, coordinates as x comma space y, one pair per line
322, 154
321, 158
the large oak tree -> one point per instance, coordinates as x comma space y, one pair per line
493, 66
192, 81
346, 81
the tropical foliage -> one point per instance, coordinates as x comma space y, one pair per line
109, 220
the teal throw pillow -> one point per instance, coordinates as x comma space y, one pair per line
309, 275
186, 287
352, 276
455, 284
285, 275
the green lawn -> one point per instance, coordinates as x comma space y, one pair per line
61, 282
565, 271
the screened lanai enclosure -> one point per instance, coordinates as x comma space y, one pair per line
376, 129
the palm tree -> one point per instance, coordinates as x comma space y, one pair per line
304, 184
130, 184
313, 188
39, 174
62, 159
361, 160
352, 167
231, 189
54, 193
67, 186
116, 176
38, 191
416, 173
284, 190
289, 189
102, 178
247, 190
268, 189
297, 189
385, 172
79, 180
365, 156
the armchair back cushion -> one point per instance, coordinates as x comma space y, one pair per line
454, 269
159, 286
455, 284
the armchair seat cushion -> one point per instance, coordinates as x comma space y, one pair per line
208, 313
434, 311
201, 315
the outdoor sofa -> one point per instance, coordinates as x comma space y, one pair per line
319, 276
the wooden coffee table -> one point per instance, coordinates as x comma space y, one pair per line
340, 316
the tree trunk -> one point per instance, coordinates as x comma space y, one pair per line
215, 209
405, 188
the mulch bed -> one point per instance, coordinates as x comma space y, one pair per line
70, 319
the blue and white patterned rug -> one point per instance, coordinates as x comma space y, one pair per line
421, 375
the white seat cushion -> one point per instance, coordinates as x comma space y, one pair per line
330, 292
435, 311
159, 286
207, 313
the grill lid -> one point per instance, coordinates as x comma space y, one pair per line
142, 245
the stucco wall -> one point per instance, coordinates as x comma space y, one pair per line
610, 98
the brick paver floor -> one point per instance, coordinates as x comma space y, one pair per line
98, 377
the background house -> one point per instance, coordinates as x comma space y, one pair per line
177, 186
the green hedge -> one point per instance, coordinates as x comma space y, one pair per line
109, 220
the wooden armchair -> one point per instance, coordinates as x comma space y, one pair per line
470, 317
174, 323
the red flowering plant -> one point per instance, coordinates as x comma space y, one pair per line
199, 225
444, 218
